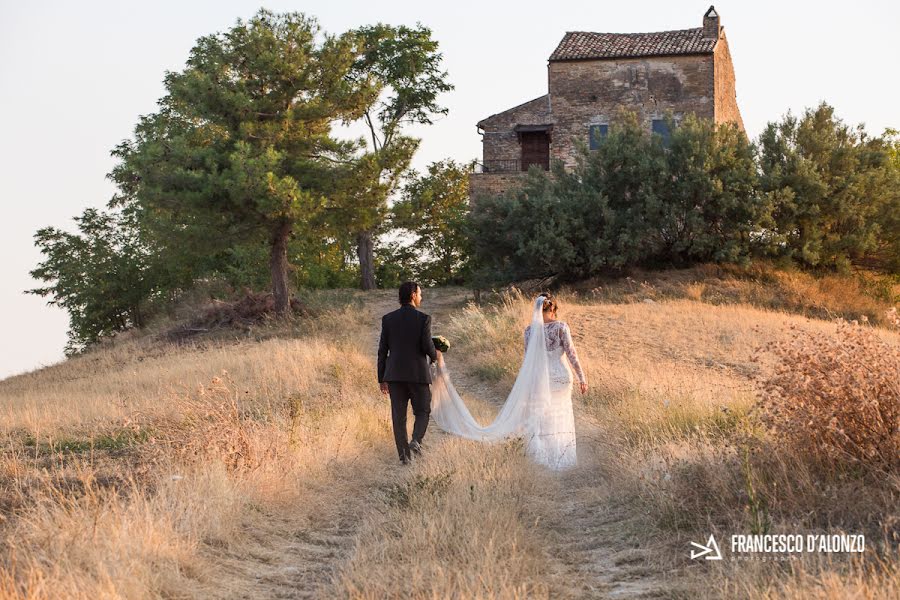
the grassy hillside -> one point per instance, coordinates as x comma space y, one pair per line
261, 464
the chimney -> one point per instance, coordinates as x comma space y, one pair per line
711, 23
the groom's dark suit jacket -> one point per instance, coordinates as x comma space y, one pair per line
405, 346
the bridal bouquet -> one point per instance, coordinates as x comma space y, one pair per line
441, 343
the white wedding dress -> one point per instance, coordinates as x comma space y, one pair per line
539, 406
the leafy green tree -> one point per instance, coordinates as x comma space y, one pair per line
712, 202
405, 66
828, 184
105, 276
519, 234
241, 146
323, 262
432, 210
188, 245
888, 251
626, 174
396, 262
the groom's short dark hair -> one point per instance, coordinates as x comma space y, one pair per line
407, 289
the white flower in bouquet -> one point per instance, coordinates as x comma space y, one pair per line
441, 343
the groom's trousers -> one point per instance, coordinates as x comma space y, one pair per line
402, 393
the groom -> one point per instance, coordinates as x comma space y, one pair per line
403, 369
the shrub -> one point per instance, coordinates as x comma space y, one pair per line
836, 398
833, 189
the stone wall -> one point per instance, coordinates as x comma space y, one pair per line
500, 142
492, 184
726, 108
586, 92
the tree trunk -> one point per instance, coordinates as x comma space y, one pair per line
137, 316
278, 265
365, 251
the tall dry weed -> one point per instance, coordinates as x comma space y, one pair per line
836, 396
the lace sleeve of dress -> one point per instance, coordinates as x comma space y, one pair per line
569, 348
527, 331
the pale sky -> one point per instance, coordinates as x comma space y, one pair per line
75, 76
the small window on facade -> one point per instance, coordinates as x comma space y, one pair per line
659, 126
597, 134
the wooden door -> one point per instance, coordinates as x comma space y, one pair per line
535, 149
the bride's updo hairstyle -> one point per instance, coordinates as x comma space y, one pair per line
550, 304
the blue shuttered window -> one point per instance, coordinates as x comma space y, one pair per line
596, 135
659, 126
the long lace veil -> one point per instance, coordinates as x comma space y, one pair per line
521, 412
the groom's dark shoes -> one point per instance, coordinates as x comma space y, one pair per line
416, 448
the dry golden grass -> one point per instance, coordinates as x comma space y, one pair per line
860, 295
834, 582
464, 525
123, 469
265, 467
837, 398
141, 375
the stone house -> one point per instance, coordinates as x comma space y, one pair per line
590, 77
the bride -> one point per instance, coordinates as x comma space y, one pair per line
539, 407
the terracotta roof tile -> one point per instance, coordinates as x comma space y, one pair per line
585, 44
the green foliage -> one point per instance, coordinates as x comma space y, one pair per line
524, 233
432, 211
396, 262
313, 264
713, 205
322, 263
404, 60
105, 276
404, 66
626, 175
241, 150
887, 253
246, 266
831, 187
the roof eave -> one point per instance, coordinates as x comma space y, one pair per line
480, 123
580, 59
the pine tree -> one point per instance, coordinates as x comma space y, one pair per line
242, 145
